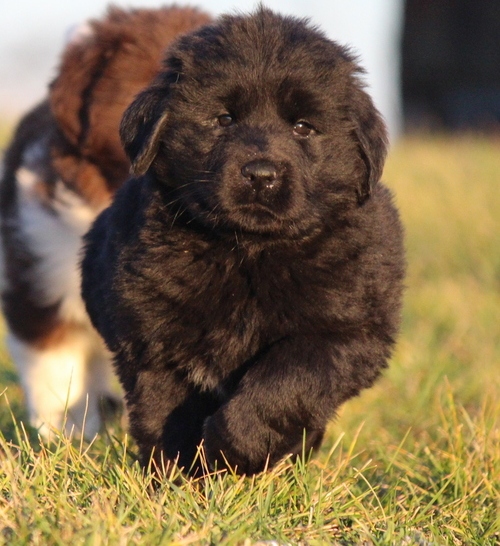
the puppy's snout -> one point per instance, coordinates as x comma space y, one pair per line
260, 173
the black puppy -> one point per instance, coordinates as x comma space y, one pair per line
249, 279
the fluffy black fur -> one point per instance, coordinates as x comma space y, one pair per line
248, 280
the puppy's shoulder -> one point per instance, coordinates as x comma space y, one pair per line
128, 208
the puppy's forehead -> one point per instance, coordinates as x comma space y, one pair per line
260, 46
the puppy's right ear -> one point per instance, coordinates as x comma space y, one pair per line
142, 125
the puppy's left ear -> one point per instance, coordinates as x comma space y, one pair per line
371, 134
142, 125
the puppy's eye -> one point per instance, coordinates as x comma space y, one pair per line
225, 120
302, 129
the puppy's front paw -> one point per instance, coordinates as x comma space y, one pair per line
243, 448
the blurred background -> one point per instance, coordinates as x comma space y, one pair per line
432, 64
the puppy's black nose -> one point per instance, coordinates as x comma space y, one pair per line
261, 173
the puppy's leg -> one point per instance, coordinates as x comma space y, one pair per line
62, 380
166, 417
293, 389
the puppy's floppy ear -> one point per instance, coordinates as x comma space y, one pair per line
141, 127
371, 134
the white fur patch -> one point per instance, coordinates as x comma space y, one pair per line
56, 239
64, 383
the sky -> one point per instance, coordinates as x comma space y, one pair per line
32, 35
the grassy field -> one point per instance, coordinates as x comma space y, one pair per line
413, 461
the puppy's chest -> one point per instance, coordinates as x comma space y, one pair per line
219, 308
225, 290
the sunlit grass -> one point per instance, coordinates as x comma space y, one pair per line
413, 461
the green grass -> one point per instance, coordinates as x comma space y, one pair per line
413, 461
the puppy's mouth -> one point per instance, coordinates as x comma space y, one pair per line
255, 217
252, 217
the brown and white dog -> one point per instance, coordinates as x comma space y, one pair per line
60, 170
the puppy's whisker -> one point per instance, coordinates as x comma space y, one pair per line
173, 202
192, 183
179, 212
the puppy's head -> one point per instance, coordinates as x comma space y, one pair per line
259, 123
105, 64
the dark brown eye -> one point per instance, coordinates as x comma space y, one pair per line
303, 129
225, 120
